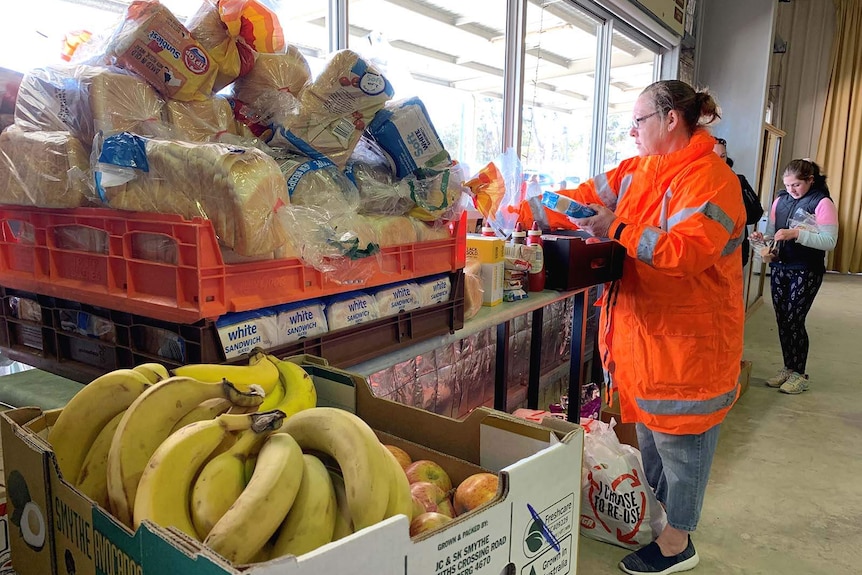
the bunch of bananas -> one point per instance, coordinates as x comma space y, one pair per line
237, 457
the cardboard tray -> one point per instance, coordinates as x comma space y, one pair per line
539, 468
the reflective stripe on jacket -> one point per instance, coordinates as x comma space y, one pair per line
671, 329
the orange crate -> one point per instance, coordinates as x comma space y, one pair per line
189, 281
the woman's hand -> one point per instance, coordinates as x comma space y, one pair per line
767, 255
756, 236
789, 234
599, 224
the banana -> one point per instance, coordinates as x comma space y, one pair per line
274, 397
148, 422
400, 499
263, 505
311, 520
88, 412
92, 480
259, 371
155, 372
165, 486
222, 479
299, 390
343, 523
354, 445
208, 409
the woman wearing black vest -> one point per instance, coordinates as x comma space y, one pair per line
797, 263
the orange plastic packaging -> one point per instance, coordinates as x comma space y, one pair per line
232, 31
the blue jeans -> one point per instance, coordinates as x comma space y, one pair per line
677, 468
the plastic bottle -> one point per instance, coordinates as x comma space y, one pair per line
519, 236
537, 272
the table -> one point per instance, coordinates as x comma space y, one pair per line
499, 317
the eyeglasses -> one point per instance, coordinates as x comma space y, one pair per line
637, 121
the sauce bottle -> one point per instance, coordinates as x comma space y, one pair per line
537, 271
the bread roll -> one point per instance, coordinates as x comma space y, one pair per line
44, 169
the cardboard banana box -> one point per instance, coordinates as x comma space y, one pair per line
531, 525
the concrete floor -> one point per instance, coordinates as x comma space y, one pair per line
785, 493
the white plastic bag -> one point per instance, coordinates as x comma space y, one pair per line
617, 504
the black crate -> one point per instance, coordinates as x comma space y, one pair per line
572, 263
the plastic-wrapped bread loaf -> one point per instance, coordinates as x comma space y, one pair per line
272, 87
44, 169
233, 32
238, 189
429, 232
205, 121
391, 230
152, 43
335, 108
318, 183
84, 100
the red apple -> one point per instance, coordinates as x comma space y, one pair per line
431, 498
403, 458
427, 522
475, 491
418, 507
427, 470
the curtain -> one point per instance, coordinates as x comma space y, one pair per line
840, 147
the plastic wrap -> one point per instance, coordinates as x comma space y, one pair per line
231, 31
24, 308
322, 219
43, 169
271, 89
404, 131
237, 188
379, 190
209, 120
497, 191
435, 290
301, 320
391, 230
85, 100
437, 194
240, 333
351, 309
10, 80
318, 183
434, 231
153, 44
473, 291
396, 298
335, 109
87, 324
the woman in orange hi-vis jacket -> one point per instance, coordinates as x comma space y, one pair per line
671, 329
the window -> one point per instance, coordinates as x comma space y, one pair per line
559, 93
449, 53
633, 68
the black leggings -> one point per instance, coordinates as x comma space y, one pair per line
793, 292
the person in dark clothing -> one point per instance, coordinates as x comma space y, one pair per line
753, 208
798, 263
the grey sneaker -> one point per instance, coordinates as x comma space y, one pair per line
795, 384
779, 378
